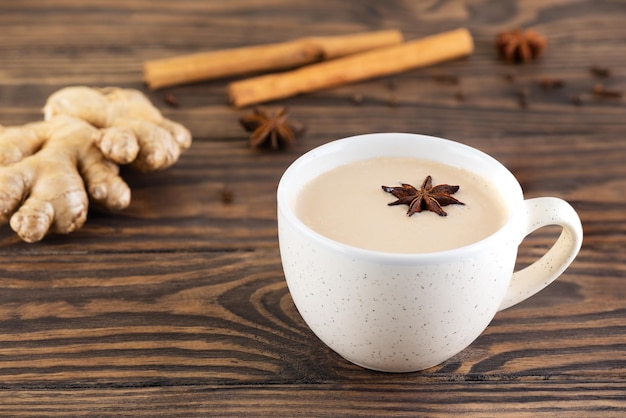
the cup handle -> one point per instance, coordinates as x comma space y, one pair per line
540, 212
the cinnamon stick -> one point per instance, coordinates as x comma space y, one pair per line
237, 61
361, 66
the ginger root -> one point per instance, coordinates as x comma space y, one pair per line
49, 170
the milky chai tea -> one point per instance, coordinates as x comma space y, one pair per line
348, 205
410, 304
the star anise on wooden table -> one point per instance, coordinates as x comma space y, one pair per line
427, 197
520, 46
271, 127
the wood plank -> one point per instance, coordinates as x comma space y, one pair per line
563, 398
182, 208
189, 318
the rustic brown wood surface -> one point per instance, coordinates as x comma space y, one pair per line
178, 305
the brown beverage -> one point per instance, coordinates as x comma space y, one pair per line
347, 204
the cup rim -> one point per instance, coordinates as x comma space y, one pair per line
285, 211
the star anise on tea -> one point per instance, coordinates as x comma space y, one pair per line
426, 197
271, 127
520, 46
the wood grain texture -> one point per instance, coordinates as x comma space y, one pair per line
178, 306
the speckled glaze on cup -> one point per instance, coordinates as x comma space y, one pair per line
407, 312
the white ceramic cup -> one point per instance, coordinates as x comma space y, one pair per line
407, 312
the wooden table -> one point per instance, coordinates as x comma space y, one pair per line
178, 305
